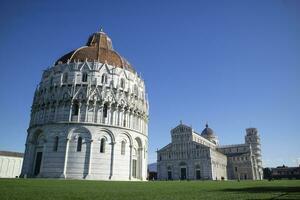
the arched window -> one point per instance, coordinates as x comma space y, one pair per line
65, 77
122, 83
84, 77
105, 111
104, 79
102, 146
79, 144
123, 147
55, 147
75, 109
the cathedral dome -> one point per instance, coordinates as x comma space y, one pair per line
207, 131
209, 134
98, 48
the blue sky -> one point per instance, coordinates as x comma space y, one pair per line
233, 64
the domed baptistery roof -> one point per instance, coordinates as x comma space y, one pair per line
98, 48
89, 117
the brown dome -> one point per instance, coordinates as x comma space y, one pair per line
98, 48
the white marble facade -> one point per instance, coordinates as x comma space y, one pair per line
89, 118
191, 156
196, 156
10, 164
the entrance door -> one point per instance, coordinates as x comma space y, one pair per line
169, 175
38, 162
198, 175
183, 173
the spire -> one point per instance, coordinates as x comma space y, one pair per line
206, 125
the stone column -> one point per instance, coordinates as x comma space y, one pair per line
89, 175
138, 121
143, 120
112, 159
52, 111
47, 112
126, 117
101, 113
64, 174
140, 163
40, 112
86, 112
44, 112
130, 119
122, 116
145, 160
141, 123
94, 119
46, 117
55, 112
37, 115
118, 116
130, 162
37, 119
70, 112
113, 115
112, 112
133, 120
108, 114
79, 111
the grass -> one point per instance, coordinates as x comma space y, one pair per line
44, 189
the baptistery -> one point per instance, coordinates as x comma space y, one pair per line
89, 117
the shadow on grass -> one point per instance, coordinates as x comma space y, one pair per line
280, 192
265, 189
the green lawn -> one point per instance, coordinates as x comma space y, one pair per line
43, 189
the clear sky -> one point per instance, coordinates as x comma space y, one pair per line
233, 64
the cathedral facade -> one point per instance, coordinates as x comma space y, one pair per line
89, 117
194, 156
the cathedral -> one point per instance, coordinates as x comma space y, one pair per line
194, 156
89, 117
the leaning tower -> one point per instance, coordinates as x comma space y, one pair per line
252, 137
89, 117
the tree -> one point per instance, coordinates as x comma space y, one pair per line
267, 173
